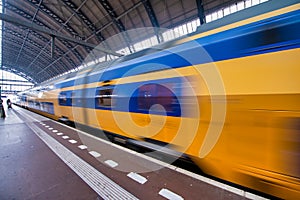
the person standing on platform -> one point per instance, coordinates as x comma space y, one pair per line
2, 111
9, 104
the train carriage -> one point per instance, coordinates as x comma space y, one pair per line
227, 96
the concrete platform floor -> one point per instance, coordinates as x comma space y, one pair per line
30, 170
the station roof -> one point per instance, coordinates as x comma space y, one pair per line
30, 25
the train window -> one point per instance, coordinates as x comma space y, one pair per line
30, 103
151, 94
23, 98
146, 96
37, 105
62, 99
104, 97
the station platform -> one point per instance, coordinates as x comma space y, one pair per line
43, 159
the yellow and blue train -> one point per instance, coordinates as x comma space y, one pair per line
228, 96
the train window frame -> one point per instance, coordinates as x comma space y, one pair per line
73, 98
104, 97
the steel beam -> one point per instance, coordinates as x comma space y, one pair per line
13, 80
109, 9
47, 31
25, 39
76, 11
38, 46
19, 71
53, 17
14, 84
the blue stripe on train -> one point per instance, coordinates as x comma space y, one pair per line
280, 33
126, 97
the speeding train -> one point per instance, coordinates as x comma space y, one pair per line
226, 96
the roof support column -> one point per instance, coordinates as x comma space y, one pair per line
200, 11
153, 19
109, 9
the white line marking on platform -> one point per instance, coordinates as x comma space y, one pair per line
73, 141
111, 163
169, 194
95, 154
55, 131
50, 128
136, 177
82, 147
254, 196
59, 133
47, 126
101, 184
65, 137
